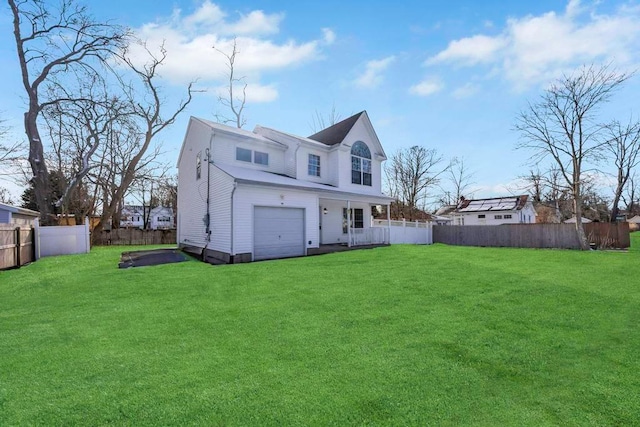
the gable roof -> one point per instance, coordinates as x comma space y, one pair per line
493, 204
336, 133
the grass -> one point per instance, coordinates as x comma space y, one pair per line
404, 335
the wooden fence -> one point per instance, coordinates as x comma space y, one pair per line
134, 236
562, 236
17, 246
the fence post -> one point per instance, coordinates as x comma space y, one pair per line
18, 247
87, 238
36, 238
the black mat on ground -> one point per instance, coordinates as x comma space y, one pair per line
151, 257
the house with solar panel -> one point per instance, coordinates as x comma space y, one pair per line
494, 211
264, 194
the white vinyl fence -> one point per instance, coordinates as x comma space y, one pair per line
407, 232
62, 240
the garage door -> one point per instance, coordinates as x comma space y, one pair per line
278, 233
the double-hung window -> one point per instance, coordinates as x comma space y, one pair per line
360, 164
314, 165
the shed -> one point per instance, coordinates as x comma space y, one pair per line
15, 215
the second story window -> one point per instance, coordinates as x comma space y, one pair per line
360, 164
314, 165
243, 154
260, 158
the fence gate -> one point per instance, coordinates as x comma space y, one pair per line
17, 246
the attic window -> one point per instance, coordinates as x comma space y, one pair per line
360, 164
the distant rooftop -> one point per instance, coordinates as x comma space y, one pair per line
494, 204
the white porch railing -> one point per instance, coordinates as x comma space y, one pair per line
369, 236
410, 232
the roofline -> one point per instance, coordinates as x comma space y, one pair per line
19, 210
313, 190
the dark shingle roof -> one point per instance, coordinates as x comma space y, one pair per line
335, 134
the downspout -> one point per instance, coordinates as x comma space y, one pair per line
207, 215
232, 254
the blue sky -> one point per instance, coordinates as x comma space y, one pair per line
446, 75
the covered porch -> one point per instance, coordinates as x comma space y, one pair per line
348, 222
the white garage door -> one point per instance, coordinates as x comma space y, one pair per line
278, 233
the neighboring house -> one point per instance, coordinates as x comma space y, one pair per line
161, 218
18, 216
572, 220
132, 216
494, 211
634, 223
158, 218
246, 196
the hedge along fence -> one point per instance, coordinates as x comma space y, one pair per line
561, 236
134, 236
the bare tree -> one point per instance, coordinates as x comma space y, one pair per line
563, 126
459, 180
146, 121
630, 196
320, 121
234, 102
623, 146
50, 42
410, 174
9, 151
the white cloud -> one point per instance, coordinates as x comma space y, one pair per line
534, 49
427, 87
470, 50
465, 91
372, 75
329, 35
189, 40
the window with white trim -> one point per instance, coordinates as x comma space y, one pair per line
243, 154
357, 219
497, 216
314, 165
360, 164
481, 216
507, 216
260, 158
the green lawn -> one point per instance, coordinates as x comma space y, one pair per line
403, 335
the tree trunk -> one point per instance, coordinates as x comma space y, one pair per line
582, 236
38, 166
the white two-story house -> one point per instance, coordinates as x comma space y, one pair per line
246, 196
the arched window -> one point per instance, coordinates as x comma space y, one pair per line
360, 164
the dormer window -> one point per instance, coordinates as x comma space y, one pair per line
360, 164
